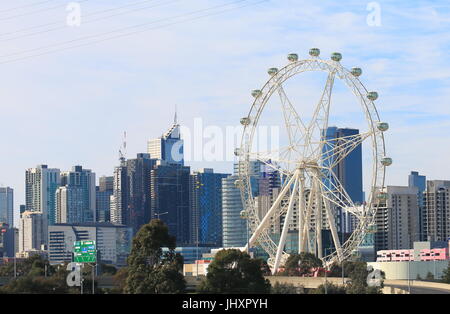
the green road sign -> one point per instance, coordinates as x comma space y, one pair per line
84, 252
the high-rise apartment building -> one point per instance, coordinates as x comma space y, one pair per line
103, 192
438, 210
7, 206
69, 204
41, 184
419, 181
31, 231
206, 207
79, 185
118, 199
235, 231
397, 223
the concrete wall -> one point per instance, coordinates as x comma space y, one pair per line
400, 270
306, 282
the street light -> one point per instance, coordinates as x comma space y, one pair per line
159, 214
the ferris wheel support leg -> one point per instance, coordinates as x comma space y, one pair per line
333, 229
301, 212
265, 221
318, 219
284, 232
305, 231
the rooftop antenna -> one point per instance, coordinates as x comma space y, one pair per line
123, 149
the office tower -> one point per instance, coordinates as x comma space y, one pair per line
438, 210
103, 192
235, 231
113, 242
418, 181
170, 198
31, 231
22, 209
7, 205
79, 187
397, 223
169, 147
119, 200
138, 192
40, 189
206, 207
348, 172
7, 240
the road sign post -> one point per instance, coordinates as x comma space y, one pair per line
85, 252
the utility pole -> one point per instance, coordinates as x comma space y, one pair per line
93, 278
81, 278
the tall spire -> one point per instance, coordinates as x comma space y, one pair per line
175, 117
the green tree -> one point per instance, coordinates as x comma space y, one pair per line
233, 271
330, 289
301, 264
149, 269
39, 277
429, 277
446, 275
358, 273
285, 288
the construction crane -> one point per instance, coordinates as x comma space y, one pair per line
123, 150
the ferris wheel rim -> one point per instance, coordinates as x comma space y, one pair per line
372, 117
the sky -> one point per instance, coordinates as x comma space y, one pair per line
129, 63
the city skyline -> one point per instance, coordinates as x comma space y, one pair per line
77, 84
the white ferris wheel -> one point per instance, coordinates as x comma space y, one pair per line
310, 193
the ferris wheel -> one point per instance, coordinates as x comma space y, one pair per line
310, 194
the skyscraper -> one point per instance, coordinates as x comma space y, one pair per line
398, 222
78, 187
235, 232
206, 207
40, 189
170, 198
348, 172
119, 198
438, 210
418, 181
168, 147
138, 192
69, 204
7, 206
103, 198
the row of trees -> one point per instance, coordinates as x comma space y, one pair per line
152, 271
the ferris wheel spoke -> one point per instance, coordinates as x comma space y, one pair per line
319, 121
336, 194
335, 150
273, 209
295, 127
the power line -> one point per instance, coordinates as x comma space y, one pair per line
37, 11
140, 31
119, 30
25, 6
93, 20
84, 15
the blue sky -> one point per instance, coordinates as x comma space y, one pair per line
72, 107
